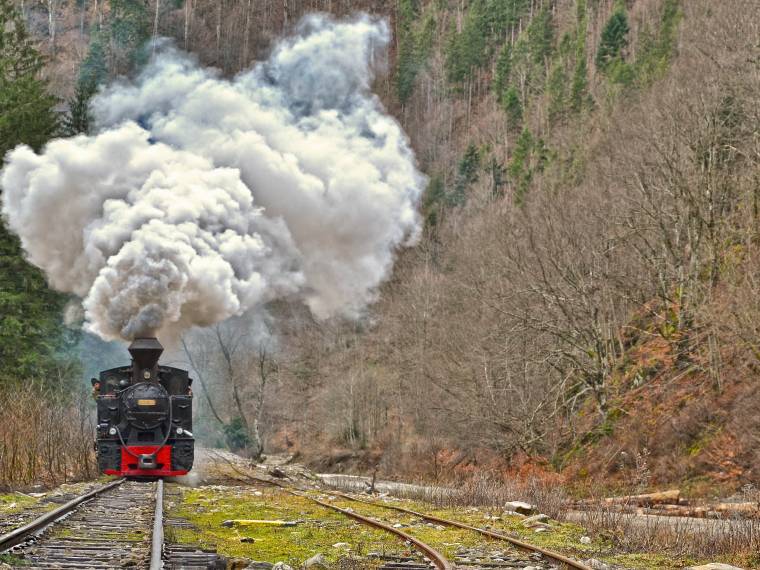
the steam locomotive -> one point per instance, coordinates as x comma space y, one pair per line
145, 416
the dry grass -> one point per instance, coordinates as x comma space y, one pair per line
481, 490
674, 535
627, 533
46, 436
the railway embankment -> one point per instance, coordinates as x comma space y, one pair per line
235, 513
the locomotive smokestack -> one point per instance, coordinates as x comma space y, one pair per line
145, 354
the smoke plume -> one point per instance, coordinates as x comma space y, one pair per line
200, 198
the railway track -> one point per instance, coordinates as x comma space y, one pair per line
542, 554
524, 546
430, 554
106, 528
119, 525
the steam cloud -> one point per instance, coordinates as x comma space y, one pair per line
200, 198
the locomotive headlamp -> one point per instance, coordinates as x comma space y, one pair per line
112, 431
146, 374
180, 431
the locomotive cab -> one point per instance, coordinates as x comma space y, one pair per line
144, 416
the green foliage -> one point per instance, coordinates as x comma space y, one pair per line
93, 72
26, 109
614, 40
435, 197
467, 51
529, 157
502, 72
415, 41
77, 120
556, 89
31, 331
653, 55
656, 50
235, 435
513, 107
129, 30
94, 68
505, 15
541, 37
579, 96
130, 22
467, 174
498, 179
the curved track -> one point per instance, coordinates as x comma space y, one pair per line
104, 528
567, 562
441, 562
549, 554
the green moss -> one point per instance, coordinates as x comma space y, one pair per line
317, 529
447, 540
12, 560
12, 503
563, 537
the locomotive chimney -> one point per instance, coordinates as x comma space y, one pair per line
145, 354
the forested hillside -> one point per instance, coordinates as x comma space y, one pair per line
584, 297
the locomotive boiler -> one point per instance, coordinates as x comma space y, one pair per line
145, 416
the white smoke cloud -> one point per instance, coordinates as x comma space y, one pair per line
200, 198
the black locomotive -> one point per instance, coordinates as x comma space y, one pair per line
145, 416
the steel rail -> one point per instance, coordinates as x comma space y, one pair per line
21, 534
569, 562
157, 542
436, 557
440, 561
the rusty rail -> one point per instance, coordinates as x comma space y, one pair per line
436, 557
21, 534
557, 557
157, 540
440, 561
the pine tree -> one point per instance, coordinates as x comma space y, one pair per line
27, 112
579, 96
406, 65
505, 15
31, 330
502, 72
513, 107
92, 73
614, 40
77, 120
468, 50
129, 30
94, 68
434, 200
541, 37
556, 91
529, 156
467, 174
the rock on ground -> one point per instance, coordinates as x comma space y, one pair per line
520, 507
714, 566
317, 562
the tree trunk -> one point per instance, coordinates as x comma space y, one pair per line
188, 16
155, 24
244, 63
51, 23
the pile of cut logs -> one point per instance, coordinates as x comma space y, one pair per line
671, 503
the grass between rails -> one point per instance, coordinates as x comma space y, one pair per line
625, 540
318, 528
446, 540
563, 537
